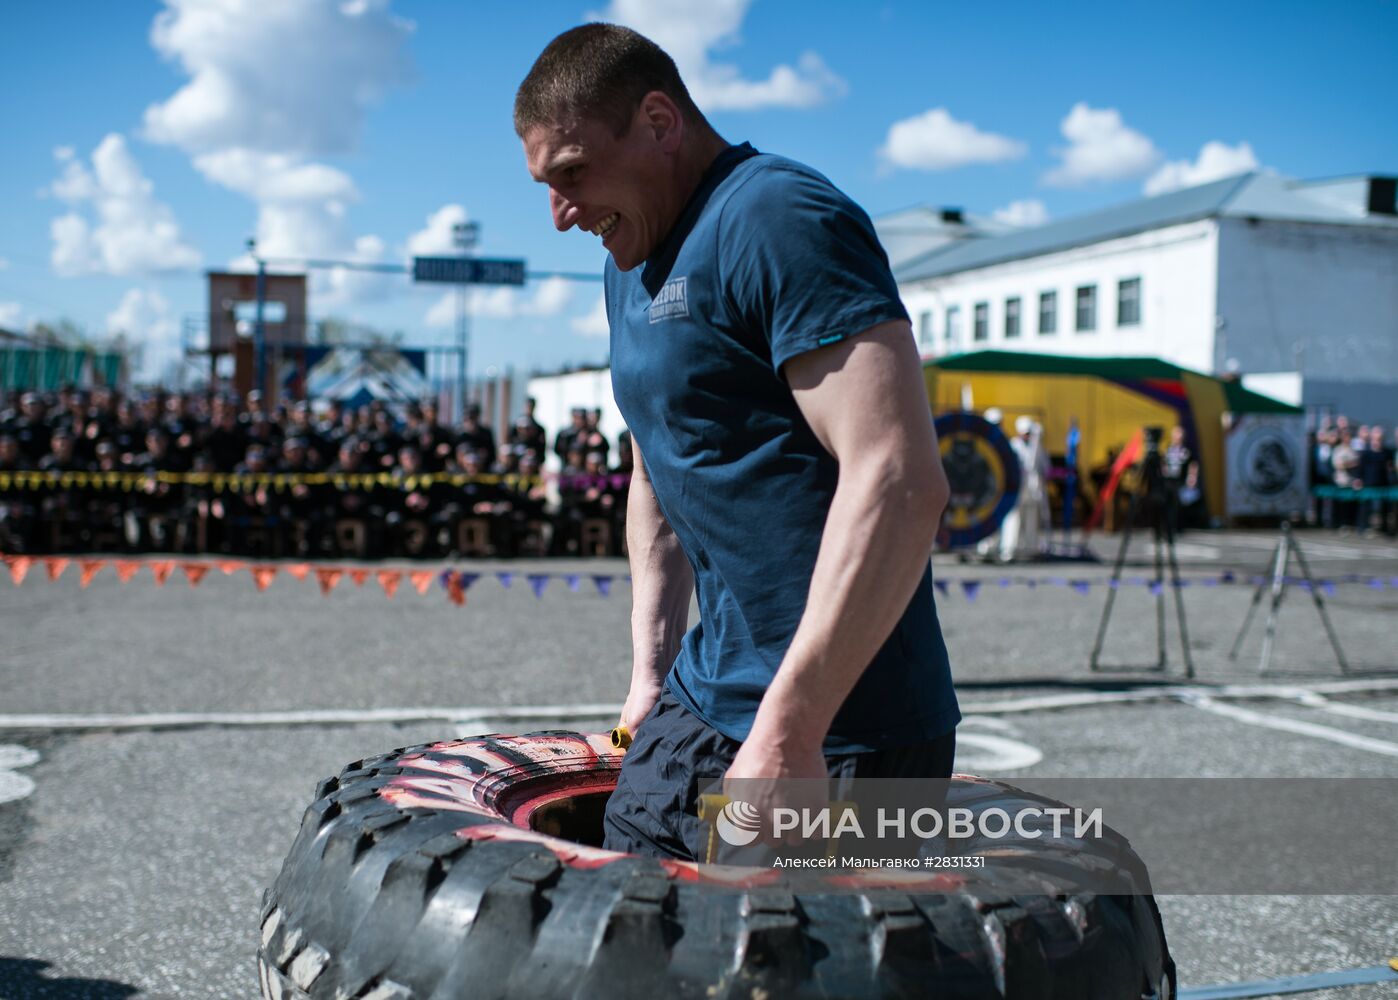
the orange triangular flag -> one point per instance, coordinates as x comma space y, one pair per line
263, 576
195, 571
19, 568
56, 565
161, 570
421, 580
126, 569
298, 571
389, 579
358, 576
231, 566
89, 568
327, 578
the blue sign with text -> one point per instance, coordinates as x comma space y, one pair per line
468, 270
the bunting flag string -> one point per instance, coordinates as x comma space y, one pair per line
456, 583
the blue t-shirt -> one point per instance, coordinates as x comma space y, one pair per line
768, 260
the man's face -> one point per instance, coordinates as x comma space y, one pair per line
618, 189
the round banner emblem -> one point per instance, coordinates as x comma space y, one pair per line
983, 471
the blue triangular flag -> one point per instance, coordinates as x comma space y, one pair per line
573, 581
1081, 586
505, 579
1376, 582
970, 588
1328, 586
941, 586
1156, 589
604, 584
1227, 577
467, 579
1005, 581
537, 582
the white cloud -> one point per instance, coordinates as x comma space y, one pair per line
10, 315
144, 316
690, 31
302, 211
549, 298
115, 224
275, 177
271, 87
295, 76
1029, 212
594, 323
437, 236
442, 314
1216, 161
934, 140
1101, 148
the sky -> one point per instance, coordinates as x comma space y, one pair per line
146, 142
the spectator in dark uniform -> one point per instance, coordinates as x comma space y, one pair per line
526, 432
479, 436
564, 442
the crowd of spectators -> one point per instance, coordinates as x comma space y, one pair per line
187, 472
1354, 468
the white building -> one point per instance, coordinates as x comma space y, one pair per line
1255, 274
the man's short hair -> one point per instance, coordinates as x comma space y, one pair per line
598, 72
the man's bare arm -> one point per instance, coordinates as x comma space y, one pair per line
866, 402
662, 583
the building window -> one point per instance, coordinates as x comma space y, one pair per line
1087, 308
953, 328
1048, 313
1128, 302
1012, 318
982, 322
924, 329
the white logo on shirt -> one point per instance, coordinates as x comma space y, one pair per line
671, 302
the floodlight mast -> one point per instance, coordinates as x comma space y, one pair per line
464, 235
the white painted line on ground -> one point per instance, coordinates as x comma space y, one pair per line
565, 713
1312, 700
312, 717
1174, 692
1296, 726
13, 785
996, 753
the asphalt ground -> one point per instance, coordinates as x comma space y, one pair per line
136, 865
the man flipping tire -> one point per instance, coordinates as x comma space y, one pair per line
786, 465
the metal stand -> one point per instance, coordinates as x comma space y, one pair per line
1277, 583
1164, 554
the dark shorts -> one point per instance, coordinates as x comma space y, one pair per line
654, 810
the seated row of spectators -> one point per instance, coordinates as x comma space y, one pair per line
189, 474
1353, 460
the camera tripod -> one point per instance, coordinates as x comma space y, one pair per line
1276, 583
1162, 501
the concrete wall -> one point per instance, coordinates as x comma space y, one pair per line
1321, 299
1177, 266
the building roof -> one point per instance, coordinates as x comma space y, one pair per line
1240, 400
911, 233
1252, 195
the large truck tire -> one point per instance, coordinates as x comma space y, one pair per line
457, 870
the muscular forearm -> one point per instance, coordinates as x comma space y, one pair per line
662, 583
876, 543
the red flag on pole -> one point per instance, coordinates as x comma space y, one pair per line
1124, 461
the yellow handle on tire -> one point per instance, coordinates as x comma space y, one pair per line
621, 737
